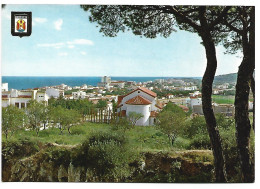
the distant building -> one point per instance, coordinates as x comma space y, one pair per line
4, 86
226, 109
190, 88
194, 99
79, 95
140, 100
119, 84
84, 86
106, 79
55, 93
105, 82
159, 81
21, 98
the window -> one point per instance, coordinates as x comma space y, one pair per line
22, 105
17, 104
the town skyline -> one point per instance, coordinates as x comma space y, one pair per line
85, 52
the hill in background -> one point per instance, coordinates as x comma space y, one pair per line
226, 78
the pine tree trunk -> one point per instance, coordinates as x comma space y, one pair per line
243, 126
252, 85
244, 77
207, 82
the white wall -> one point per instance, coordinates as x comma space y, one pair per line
19, 100
5, 103
40, 96
195, 101
143, 109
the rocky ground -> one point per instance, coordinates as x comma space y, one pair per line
54, 163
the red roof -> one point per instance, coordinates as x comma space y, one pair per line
145, 90
138, 100
24, 96
184, 108
119, 99
159, 105
4, 96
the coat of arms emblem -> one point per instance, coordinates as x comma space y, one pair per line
21, 23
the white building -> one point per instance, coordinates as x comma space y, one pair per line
159, 81
84, 86
140, 100
4, 86
190, 88
79, 95
56, 93
62, 86
106, 79
21, 98
119, 84
194, 99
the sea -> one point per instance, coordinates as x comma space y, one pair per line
29, 82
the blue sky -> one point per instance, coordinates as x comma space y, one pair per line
65, 43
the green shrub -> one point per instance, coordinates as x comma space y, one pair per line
224, 122
196, 126
200, 141
182, 143
106, 156
108, 160
18, 149
60, 156
77, 130
107, 137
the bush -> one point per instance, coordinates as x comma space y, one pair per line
60, 156
121, 124
200, 141
196, 126
106, 156
77, 130
18, 149
107, 137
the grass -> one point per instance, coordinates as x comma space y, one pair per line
52, 135
140, 138
221, 99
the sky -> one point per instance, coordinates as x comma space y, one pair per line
64, 43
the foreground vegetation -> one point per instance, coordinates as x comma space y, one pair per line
109, 148
115, 152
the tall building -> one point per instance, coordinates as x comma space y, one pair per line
106, 79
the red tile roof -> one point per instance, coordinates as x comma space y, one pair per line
184, 108
138, 100
145, 90
4, 96
159, 105
119, 100
24, 96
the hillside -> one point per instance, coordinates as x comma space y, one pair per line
226, 78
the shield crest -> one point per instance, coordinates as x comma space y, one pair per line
21, 25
